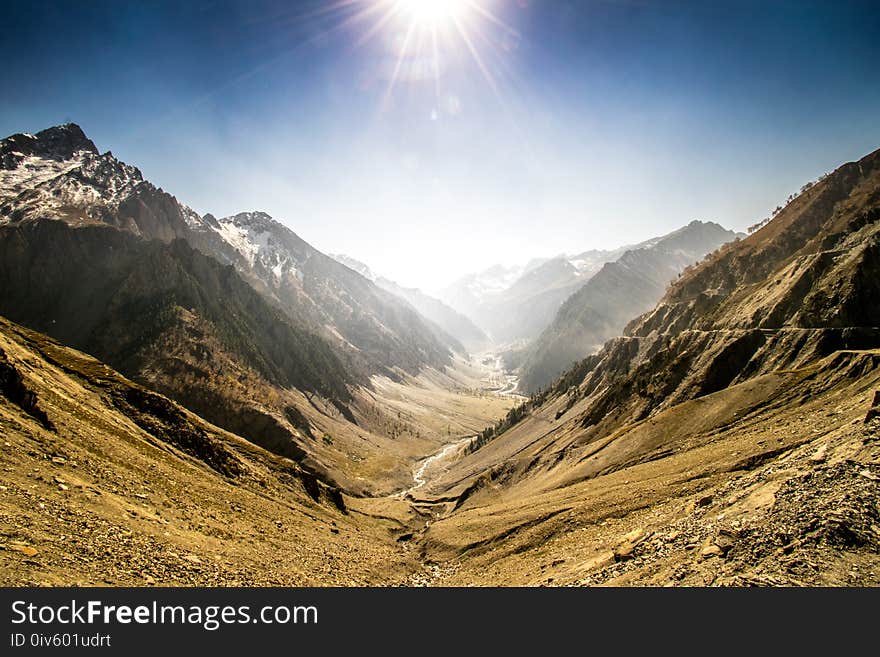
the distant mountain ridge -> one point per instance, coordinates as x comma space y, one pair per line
455, 330
515, 304
619, 292
799, 290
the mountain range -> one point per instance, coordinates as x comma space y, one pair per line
515, 305
727, 437
59, 173
238, 319
201, 401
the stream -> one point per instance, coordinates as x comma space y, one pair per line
496, 380
446, 453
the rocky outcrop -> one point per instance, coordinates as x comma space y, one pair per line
14, 388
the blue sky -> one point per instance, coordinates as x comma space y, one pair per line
575, 125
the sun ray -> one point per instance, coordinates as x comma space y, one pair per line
436, 62
477, 59
488, 15
383, 21
398, 65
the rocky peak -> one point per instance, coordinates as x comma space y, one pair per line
59, 143
256, 220
357, 266
63, 141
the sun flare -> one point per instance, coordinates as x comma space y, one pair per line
432, 13
423, 40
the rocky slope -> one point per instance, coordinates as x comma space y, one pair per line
771, 482
106, 482
620, 291
381, 333
59, 174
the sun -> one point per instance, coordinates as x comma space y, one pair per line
425, 39
432, 13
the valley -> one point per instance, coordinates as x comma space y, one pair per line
187, 400
429, 467
125, 488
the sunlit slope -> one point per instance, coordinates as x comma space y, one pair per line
105, 482
771, 481
750, 380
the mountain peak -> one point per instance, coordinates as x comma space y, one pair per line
255, 220
57, 143
65, 140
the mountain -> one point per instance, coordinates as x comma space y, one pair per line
238, 319
354, 264
479, 296
450, 322
174, 319
515, 304
729, 437
618, 292
59, 173
799, 290
453, 329
468, 293
380, 333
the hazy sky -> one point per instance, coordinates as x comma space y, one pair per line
538, 127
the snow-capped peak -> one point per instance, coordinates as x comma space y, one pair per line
494, 280
59, 143
258, 238
59, 172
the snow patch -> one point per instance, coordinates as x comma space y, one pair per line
250, 234
238, 238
